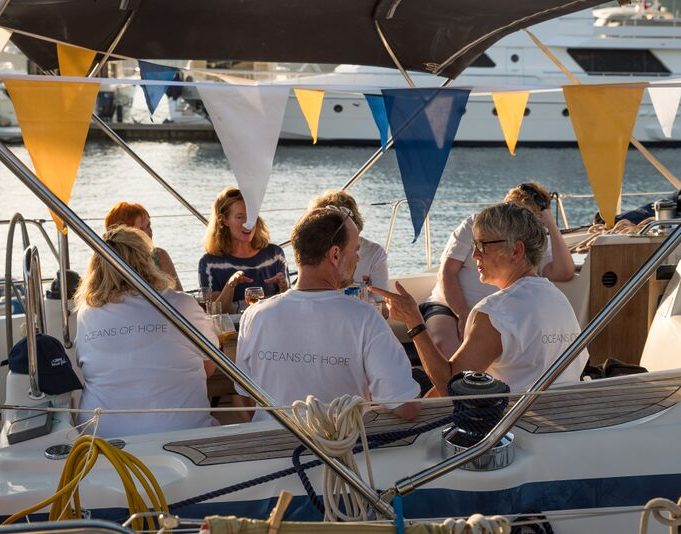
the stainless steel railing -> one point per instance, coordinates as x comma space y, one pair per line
35, 316
594, 327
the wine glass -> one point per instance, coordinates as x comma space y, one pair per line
253, 295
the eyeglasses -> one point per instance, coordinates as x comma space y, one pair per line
346, 215
480, 245
537, 197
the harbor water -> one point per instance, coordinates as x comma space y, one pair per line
473, 177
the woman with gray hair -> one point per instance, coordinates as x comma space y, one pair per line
515, 333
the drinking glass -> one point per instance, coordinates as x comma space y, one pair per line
253, 295
202, 296
214, 307
224, 327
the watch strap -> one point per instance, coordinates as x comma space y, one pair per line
413, 332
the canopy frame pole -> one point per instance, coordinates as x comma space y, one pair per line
392, 55
119, 140
130, 152
97, 67
229, 368
664, 171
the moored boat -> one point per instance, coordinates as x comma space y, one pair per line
577, 449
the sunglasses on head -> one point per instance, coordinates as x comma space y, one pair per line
537, 197
345, 212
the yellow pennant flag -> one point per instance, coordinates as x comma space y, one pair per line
54, 118
310, 102
510, 111
603, 119
74, 61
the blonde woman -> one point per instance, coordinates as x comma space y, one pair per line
236, 257
131, 356
137, 216
459, 286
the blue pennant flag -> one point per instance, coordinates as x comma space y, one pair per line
377, 106
152, 71
423, 123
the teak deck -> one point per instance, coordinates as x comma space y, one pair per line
631, 398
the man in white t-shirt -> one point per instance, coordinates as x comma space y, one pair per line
314, 340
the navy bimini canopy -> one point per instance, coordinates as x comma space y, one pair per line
442, 36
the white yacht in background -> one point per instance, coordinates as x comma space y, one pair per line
637, 42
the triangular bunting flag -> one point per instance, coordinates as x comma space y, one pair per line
603, 119
377, 107
74, 61
4, 38
510, 111
54, 118
423, 123
153, 71
247, 120
666, 103
310, 102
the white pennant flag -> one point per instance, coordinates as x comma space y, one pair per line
247, 121
4, 38
666, 103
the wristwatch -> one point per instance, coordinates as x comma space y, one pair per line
413, 332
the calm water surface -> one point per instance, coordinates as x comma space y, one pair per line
473, 175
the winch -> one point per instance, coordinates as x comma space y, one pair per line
475, 417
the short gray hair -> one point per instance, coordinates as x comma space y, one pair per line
514, 222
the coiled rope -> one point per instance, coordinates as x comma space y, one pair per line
657, 507
335, 428
65, 503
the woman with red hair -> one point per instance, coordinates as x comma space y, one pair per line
135, 215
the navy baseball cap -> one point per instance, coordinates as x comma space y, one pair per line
55, 373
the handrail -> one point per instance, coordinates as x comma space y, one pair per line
38, 223
64, 266
659, 222
9, 285
30, 180
594, 327
35, 316
391, 226
17, 218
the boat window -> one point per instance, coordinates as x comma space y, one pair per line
618, 61
483, 60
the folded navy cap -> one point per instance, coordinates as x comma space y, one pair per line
55, 373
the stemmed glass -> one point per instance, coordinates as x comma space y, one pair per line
253, 295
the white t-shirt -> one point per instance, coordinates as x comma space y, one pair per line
373, 262
133, 357
460, 247
322, 343
536, 323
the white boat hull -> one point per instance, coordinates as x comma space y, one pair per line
574, 472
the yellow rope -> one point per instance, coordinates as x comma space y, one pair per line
65, 503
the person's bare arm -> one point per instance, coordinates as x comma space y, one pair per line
448, 278
168, 267
209, 366
408, 411
226, 296
480, 348
561, 268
